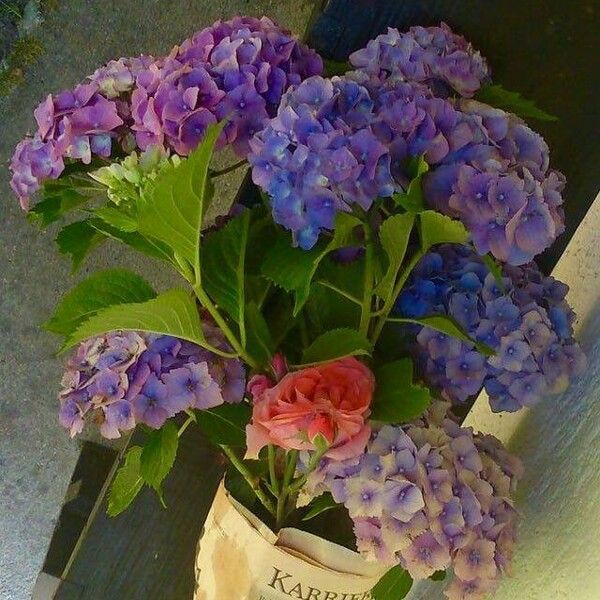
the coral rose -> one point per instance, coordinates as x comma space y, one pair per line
331, 399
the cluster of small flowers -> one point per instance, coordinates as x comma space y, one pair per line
73, 124
320, 156
345, 141
123, 378
528, 324
432, 55
500, 186
430, 495
235, 70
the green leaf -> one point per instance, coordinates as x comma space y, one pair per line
225, 424
436, 228
293, 268
98, 291
135, 240
127, 483
60, 196
397, 398
394, 234
497, 96
438, 576
412, 200
170, 313
116, 217
174, 211
320, 505
336, 343
450, 327
223, 255
495, 270
394, 585
77, 240
259, 342
335, 67
159, 454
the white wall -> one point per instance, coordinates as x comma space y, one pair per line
558, 552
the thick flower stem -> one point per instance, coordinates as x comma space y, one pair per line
250, 479
284, 494
365, 314
220, 321
272, 474
389, 303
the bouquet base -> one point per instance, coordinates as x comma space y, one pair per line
240, 558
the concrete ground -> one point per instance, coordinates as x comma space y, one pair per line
36, 455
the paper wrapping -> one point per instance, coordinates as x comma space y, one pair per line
240, 558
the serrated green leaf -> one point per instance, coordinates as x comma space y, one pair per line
293, 268
336, 343
412, 199
394, 585
397, 398
449, 326
394, 234
77, 240
60, 196
158, 455
495, 270
225, 424
223, 256
436, 228
259, 342
174, 211
117, 218
98, 291
143, 244
170, 313
495, 95
320, 505
127, 483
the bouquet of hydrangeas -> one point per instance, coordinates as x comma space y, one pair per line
321, 336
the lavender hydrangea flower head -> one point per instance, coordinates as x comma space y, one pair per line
235, 70
73, 124
432, 55
320, 156
441, 499
121, 379
529, 326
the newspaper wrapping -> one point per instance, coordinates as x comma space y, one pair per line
240, 558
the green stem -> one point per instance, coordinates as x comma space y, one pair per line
252, 481
365, 315
340, 292
229, 169
222, 324
389, 303
290, 469
190, 419
272, 473
315, 459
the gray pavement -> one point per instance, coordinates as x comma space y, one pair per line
36, 455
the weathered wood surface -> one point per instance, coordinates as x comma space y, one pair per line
147, 552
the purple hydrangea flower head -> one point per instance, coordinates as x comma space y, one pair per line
452, 510
432, 55
320, 156
120, 379
235, 70
528, 325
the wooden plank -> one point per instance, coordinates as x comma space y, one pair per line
148, 552
547, 50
